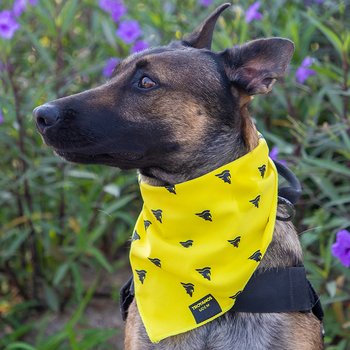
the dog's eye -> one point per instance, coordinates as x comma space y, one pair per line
146, 83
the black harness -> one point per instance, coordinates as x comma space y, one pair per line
284, 289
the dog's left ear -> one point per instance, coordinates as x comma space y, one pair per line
255, 66
202, 36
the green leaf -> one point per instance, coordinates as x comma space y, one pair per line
109, 33
94, 337
82, 174
73, 338
328, 165
44, 17
15, 244
100, 258
332, 37
120, 203
20, 346
78, 283
60, 273
67, 14
53, 342
79, 311
112, 189
51, 297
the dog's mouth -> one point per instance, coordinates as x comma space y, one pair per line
121, 159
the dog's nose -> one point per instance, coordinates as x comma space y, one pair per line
46, 116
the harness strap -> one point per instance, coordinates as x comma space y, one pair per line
288, 196
126, 296
293, 192
279, 290
275, 290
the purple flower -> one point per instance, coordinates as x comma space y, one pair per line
8, 24
33, 2
1, 118
111, 63
341, 247
139, 46
129, 31
303, 72
253, 13
274, 155
205, 3
107, 5
118, 12
115, 8
19, 7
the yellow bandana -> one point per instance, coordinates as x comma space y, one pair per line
196, 244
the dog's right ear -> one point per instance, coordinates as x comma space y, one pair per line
202, 36
255, 66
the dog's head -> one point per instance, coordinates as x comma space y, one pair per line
166, 109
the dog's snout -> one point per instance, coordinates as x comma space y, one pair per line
46, 116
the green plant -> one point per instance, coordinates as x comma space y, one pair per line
58, 219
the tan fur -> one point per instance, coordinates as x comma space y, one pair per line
133, 324
302, 335
249, 131
189, 117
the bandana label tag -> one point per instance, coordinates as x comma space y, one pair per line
205, 308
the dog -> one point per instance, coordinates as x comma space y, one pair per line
177, 112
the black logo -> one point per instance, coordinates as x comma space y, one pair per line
225, 176
171, 188
141, 274
235, 242
189, 287
205, 308
135, 236
205, 272
262, 170
158, 214
256, 256
236, 295
156, 262
187, 243
147, 224
205, 214
255, 201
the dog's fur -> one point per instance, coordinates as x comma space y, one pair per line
193, 120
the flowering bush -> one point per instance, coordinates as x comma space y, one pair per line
63, 223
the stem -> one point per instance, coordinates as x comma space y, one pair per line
345, 87
22, 247
99, 200
62, 203
15, 281
58, 87
290, 108
22, 169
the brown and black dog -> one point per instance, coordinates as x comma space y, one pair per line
174, 113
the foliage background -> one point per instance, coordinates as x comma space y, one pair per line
64, 228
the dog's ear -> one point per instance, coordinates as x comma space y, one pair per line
255, 66
202, 36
